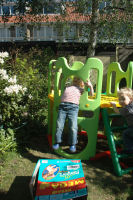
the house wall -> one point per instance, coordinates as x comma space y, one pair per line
45, 32
71, 32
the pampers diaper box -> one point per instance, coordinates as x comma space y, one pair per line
54, 179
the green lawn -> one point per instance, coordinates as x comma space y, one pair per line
17, 168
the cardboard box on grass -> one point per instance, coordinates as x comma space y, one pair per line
58, 180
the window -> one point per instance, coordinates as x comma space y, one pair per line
49, 32
20, 32
11, 1
7, 10
49, 9
12, 10
21, 10
58, 30
70, 31
2, 33
41, 32
12, 31
69, 0
104, 4
0, 10
52, 8
89, 9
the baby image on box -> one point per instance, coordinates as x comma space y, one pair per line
50, 172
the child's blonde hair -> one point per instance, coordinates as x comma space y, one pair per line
126, 91
77, 81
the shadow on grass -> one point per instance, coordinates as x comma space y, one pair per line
19, 189
33, 138
101, 174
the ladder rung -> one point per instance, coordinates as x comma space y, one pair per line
116, 128
114, 115
125, 171
124, 155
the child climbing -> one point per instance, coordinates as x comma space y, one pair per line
69, 108
125, 96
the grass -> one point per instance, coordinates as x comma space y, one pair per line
17, 168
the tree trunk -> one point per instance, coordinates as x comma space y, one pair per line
93, 29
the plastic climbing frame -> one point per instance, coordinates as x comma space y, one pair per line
115, 68
60, 71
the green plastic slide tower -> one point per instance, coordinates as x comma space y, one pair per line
59, 73
115, 69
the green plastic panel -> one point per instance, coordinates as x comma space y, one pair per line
115, 68
62, 72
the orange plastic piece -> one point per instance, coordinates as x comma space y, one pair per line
87, 105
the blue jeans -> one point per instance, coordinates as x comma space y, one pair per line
128, 138
69, 111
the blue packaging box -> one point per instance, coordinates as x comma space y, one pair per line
55, 179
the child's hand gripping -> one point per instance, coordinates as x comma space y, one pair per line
114, 107
113, 104
89, 84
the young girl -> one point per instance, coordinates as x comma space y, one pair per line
125, 96
69, 108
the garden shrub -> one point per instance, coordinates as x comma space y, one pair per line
29, 71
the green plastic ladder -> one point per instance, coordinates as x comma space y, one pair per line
108, 116
113, 144
62, 71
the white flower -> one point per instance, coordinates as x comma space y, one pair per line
3, 72
8, 90
5, 77
1, 60
13, 80
24, 89
17, 88
30, 96
4, 54
14, 89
